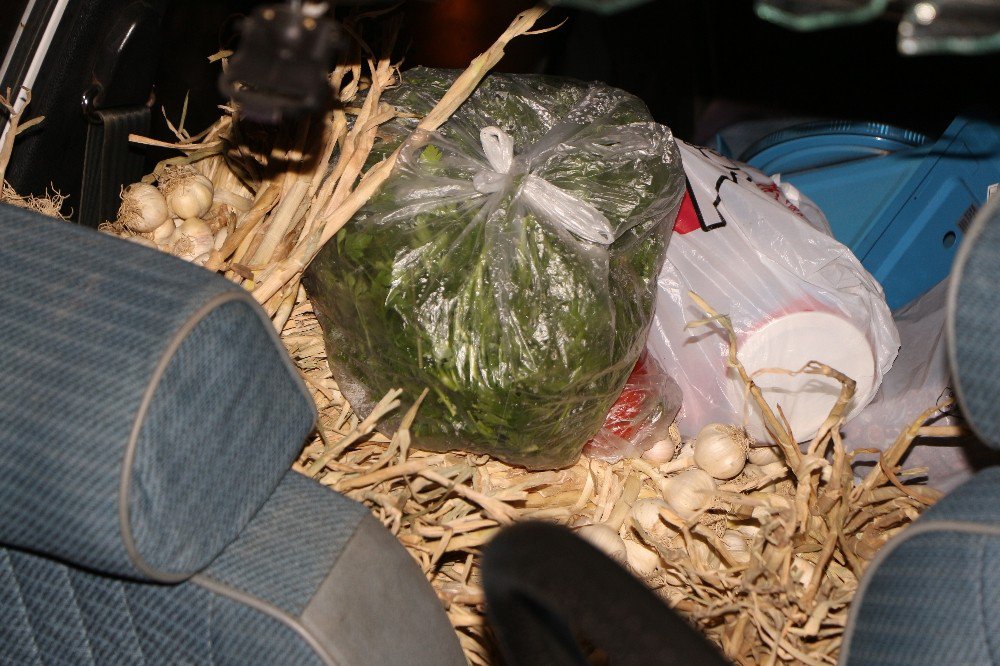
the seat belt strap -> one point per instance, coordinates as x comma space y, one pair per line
109, 161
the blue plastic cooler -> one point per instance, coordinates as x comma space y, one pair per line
901, 202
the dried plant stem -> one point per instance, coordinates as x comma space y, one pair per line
262, 206
175, 145
895, 453
281, 220
460, 90
778, 430
14, 127
295, 293
365, 428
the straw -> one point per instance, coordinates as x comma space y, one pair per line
809, 531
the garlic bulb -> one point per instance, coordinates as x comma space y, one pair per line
162, 233
776, 504
718, 451
737, 545
703, 554
764, 455
641, 560
220, 238
605, 540
689, 492
661, 452
192, 239
774, 469
747, 530
141, 240
646, 515
143, 208
189, 195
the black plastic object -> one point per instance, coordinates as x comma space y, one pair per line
280, 68
115, 106
96, 69
547, 590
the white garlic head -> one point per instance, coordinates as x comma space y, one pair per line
737, 545
747, 530
689, 492
143, 208
189, 195
192, 239
646, 514
605, 540
703, 554
641, 560
163, 233
661, 452
720, 451
774, 469
776, 504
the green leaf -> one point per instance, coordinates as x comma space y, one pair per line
431, 153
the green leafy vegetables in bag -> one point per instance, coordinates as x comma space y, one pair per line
508, 265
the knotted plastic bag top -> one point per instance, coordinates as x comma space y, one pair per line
539, 195
508, 265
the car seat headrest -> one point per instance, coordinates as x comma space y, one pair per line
147, 408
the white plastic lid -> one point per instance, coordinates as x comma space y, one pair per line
790, 342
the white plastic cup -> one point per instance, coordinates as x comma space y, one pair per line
791, 341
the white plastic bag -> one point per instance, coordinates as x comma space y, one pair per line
919, 380
793, 293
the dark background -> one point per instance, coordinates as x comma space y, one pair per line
698, 64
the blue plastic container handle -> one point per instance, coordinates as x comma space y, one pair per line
819, 144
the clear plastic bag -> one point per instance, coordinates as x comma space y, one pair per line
508, 265
919, 379
793, 293
640, 416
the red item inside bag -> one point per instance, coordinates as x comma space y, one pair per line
641, 415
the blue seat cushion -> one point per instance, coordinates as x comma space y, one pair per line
147, 408
932, 596
312, 579
973, 324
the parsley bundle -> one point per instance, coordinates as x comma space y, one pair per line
479, 282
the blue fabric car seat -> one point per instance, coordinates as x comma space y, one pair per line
148, 420
933, 594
